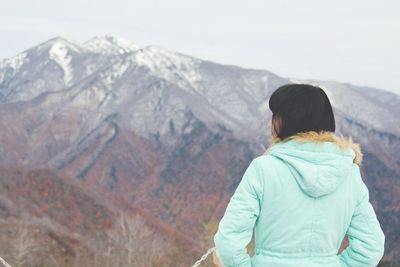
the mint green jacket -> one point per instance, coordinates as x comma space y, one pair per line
301, 199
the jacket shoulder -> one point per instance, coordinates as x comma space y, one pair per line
267, 160
267, 165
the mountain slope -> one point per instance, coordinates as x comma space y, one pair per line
169, 133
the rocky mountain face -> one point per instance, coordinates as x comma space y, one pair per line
164, 135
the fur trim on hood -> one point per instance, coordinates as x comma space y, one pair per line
324, 136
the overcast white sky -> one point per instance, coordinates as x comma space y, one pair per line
355, 41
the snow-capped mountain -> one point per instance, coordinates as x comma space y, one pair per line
148, 124
232, 92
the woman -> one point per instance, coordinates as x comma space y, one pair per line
303, 195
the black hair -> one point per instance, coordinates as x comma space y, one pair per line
300, 108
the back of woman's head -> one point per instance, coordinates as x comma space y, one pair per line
300, 108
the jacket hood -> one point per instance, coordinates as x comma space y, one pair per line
319, 161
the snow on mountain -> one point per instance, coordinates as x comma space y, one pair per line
59, 53
14, 63
108, 44
69, 44
168, 64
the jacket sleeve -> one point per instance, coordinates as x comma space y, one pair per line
235, 229
365, 235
